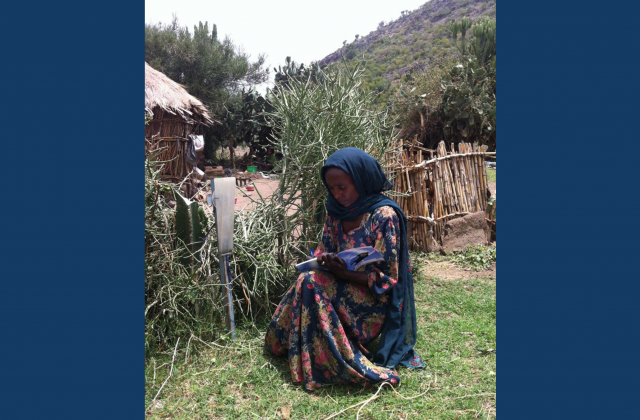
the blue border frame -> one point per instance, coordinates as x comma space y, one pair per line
73, 261
72, 170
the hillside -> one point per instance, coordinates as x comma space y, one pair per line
408, 43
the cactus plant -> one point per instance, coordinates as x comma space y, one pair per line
190, 222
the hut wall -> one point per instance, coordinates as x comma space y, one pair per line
170, 132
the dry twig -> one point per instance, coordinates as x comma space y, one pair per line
170, 371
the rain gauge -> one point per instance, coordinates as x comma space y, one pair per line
224, 191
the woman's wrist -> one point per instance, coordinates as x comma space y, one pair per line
360, 277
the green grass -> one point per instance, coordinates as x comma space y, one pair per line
456, 338
491, 175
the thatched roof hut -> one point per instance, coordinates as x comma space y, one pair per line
175, 115
162, 93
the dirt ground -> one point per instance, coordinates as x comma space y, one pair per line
244, 202
447, 270
265, 188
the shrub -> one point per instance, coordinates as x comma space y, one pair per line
178, 296
476, 257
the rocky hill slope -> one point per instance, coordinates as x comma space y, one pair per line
408, 43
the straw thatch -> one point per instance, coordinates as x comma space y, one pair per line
163, 93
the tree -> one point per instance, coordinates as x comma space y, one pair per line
469, 90
214, 71
208, 67
291, 70
461, 27
243, 122
455, 100
483, 43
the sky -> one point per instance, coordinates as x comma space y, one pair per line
304, 30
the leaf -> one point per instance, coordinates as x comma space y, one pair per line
285, 412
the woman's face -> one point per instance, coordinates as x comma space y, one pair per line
341, 186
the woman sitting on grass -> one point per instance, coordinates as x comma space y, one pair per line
326, 318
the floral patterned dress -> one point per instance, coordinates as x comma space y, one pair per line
322, 322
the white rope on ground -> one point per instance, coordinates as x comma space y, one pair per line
373, 397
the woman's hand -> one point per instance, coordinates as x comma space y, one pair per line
338, 268
333, 263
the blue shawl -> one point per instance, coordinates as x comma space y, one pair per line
399, 331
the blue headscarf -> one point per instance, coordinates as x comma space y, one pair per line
399, 331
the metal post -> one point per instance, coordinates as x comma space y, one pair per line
223, 213
225, 276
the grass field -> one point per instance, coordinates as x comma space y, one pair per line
491, 175
238, 380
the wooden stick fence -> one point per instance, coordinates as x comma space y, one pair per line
444, 186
